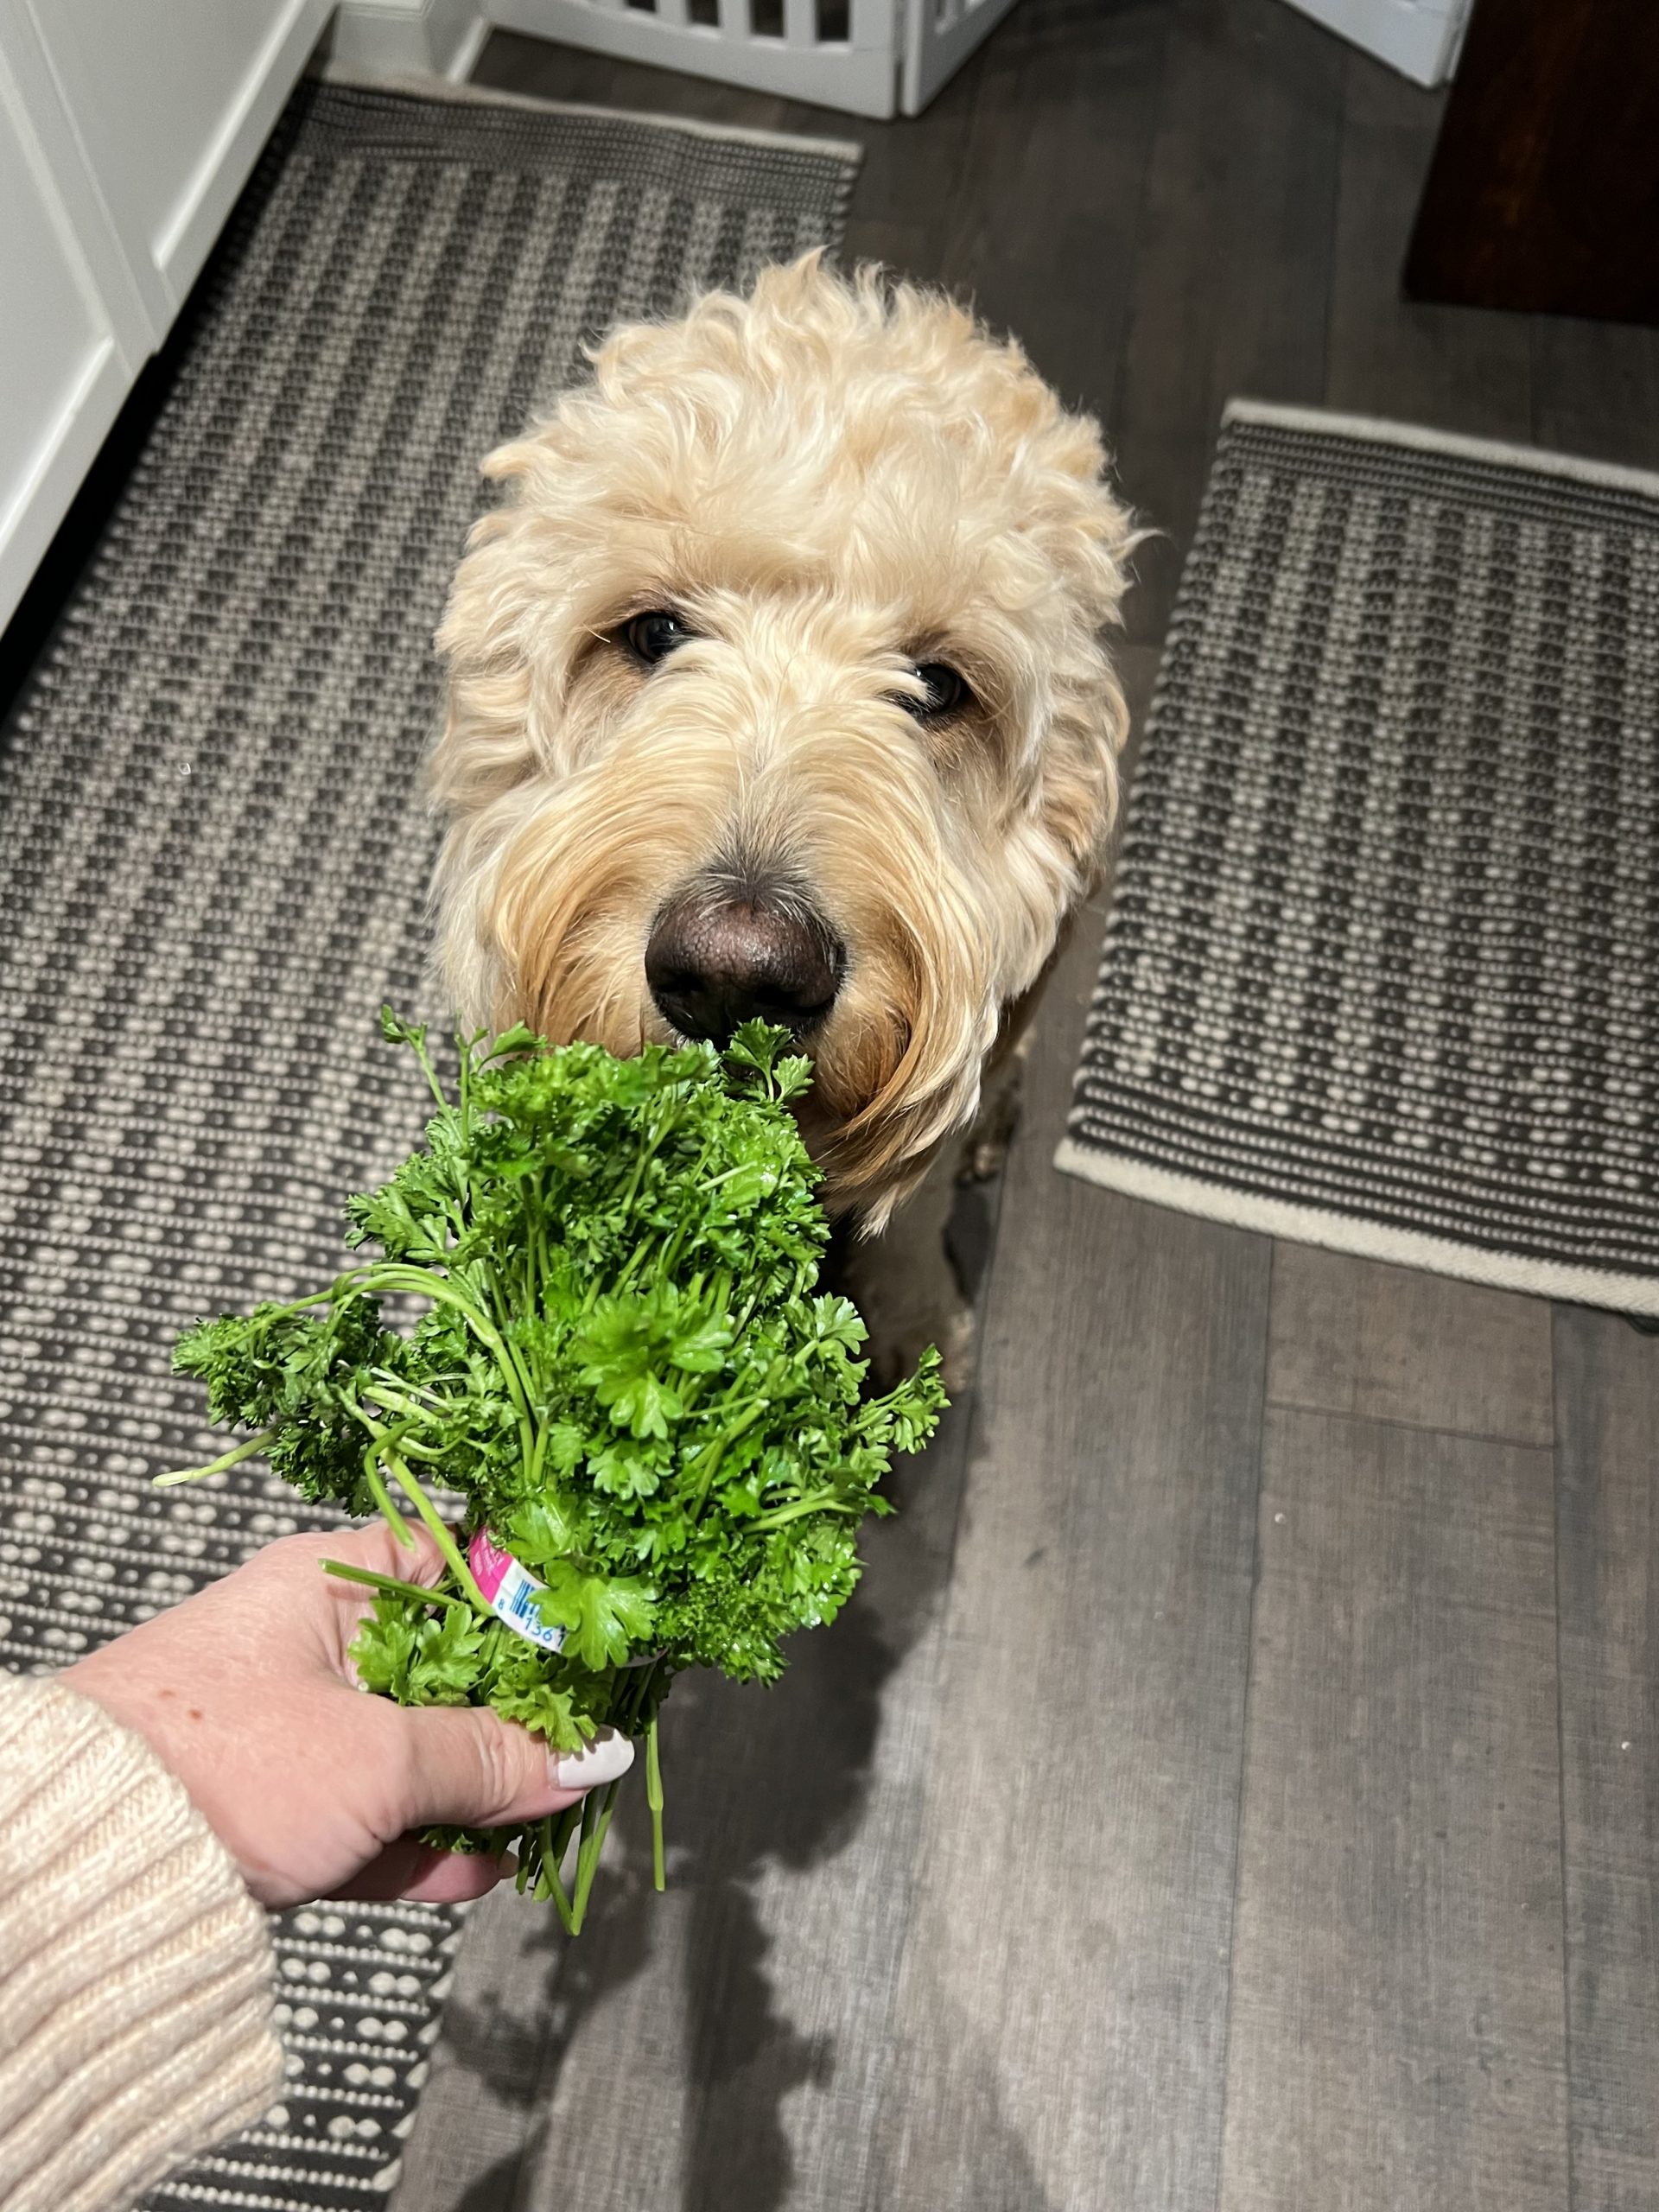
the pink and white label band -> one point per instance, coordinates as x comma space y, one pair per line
509, 1589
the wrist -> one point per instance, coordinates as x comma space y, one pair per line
137, 2018
163, 1721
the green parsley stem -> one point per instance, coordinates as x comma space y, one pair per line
437, 1401
538, 1453
641, 1252
654, 1799
231, 1459
825, 1502
387, 1394
382, 1496
422, 1283
391, 1585
658, 1138
554, 1836
595, 1826
416, 1450
435, 1522
349, 1279
415, 1039
719, 1445
584, 1883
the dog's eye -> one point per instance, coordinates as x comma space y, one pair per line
654, 636
944, 692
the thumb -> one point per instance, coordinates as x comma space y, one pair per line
468, 1766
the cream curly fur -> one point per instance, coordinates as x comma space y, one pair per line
830, 482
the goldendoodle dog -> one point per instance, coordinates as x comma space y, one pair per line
779, 685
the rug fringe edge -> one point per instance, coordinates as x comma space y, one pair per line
1422, 439
412, 86
1360, 1238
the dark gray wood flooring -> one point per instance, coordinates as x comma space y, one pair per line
1235, 1786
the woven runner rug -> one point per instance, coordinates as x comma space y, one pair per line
214, 857
1382, 969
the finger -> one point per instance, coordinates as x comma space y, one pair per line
346, 1604
457, 1876
377, 1547
464, 1765
424, 1875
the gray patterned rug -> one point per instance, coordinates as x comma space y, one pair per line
1382, 969
214, 858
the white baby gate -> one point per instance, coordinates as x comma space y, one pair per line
869, 57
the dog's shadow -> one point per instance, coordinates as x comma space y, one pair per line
757, 1780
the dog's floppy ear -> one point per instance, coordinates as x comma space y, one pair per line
1077, 787
486, 744
1088, 536
507, 634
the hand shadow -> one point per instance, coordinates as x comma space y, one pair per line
758, 1780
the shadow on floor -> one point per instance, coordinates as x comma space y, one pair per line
781, 1779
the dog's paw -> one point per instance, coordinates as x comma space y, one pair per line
984, 1158
910, 1296
893, 1352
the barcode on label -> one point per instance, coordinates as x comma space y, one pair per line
513, 1600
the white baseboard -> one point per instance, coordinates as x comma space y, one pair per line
409, 38
1419, 38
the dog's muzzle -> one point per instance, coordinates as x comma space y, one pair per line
715, 963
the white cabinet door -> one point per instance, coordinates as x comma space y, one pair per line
171, 101
1419, 38
65, 366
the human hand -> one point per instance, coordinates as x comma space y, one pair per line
247, 1693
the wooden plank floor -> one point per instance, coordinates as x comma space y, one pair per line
1236, 1785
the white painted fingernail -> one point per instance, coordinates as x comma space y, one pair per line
608, 1756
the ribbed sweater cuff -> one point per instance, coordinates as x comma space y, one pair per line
135, 1968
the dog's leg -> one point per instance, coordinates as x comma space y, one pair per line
1002, 1090
1000, 1108
906, 1284
918, 1283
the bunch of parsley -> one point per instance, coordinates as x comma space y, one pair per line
623, 1367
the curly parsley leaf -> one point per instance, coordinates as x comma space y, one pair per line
622, 1366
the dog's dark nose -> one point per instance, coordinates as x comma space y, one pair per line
712, 966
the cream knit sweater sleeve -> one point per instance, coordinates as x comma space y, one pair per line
135, 1968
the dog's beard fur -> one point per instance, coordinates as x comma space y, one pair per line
829, 484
